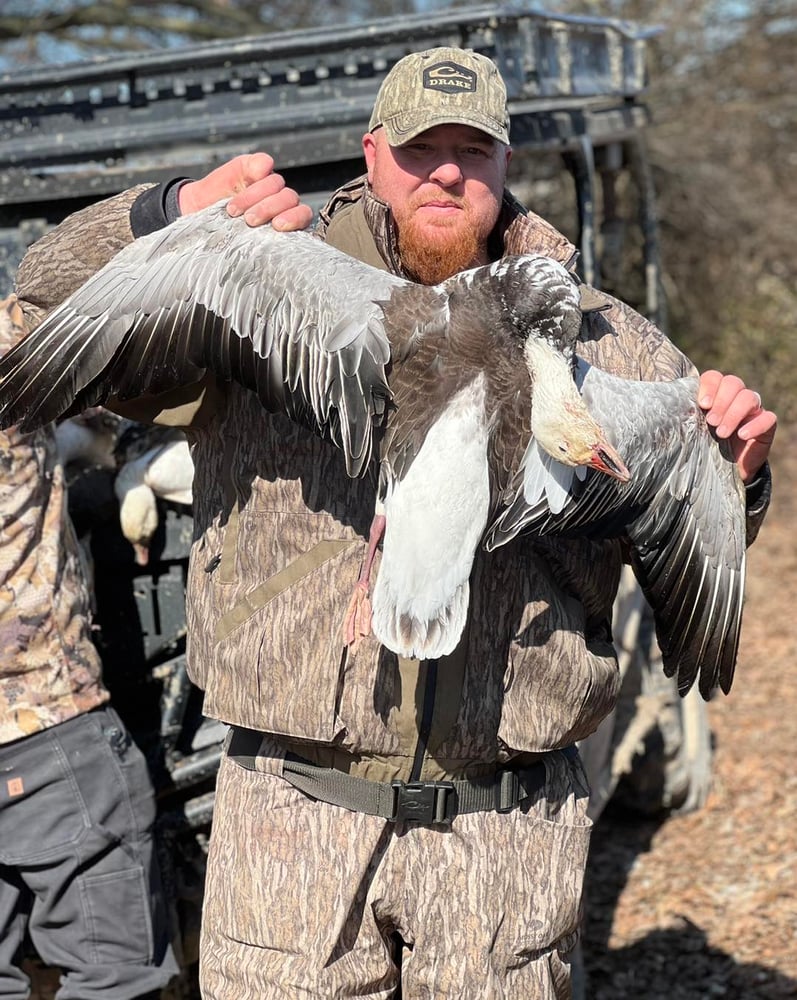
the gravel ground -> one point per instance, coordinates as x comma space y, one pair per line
705, 905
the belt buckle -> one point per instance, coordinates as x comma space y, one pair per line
424, 802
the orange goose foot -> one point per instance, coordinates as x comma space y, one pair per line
357, 623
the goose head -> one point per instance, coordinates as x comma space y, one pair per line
165, 471
537, 300
138, 512
560, 421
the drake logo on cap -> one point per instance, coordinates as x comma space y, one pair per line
450, 78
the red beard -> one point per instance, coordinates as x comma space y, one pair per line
430, 257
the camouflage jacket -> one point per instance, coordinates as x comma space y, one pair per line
280, 532
49, 667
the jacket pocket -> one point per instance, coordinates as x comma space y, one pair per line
278, 641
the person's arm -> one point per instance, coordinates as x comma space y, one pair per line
58, 263
63, 259
254, 189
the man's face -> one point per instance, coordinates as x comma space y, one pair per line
444, 188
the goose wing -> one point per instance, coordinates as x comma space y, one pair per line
683, 514
285, 315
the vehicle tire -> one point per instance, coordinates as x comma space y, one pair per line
671, 768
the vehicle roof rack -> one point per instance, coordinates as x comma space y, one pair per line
96, 127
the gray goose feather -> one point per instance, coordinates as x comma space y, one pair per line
682, 513
432, 386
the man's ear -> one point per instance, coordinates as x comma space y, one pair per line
369, 151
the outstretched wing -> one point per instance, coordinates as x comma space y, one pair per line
282, 313
683, 513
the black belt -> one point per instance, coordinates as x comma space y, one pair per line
422, 802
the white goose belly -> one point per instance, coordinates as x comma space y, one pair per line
435, 518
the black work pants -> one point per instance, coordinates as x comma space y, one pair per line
77, 862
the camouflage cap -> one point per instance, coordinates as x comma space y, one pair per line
440, 87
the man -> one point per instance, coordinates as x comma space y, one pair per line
77, 865
338, 866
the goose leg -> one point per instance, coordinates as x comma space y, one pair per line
357, 623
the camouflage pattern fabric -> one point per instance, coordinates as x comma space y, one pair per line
280, 529
486, 908
49, 667
302, 896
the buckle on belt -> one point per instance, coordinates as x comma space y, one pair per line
424, 802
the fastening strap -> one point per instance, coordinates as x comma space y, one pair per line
423, 802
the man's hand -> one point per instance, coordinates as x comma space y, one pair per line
735, 412
255, 192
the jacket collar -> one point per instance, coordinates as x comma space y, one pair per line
518, 231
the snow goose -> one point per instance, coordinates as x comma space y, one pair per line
88, 440
164, 471
463, 396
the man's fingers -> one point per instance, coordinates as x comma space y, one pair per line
298, 217
283, 209
717, 392
257, 191
237, 174
254, 190
729, 413
254, 167
709, 383
761, 426
232, 179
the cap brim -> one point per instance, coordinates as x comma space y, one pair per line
403, 127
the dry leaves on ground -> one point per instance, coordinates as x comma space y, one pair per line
705, 905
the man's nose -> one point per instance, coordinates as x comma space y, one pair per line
446, 173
